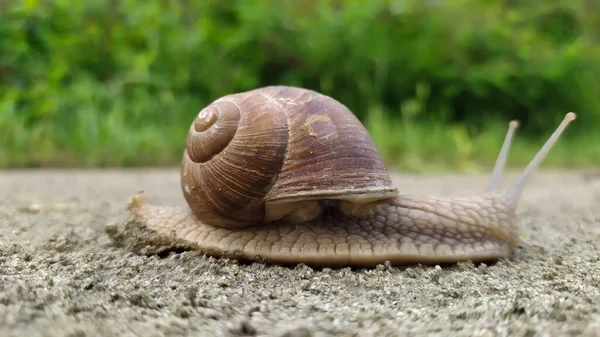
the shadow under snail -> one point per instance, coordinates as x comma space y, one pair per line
288, 175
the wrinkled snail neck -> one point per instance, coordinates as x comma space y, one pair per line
500, 206
510, 198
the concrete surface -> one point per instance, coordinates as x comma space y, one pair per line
61, 274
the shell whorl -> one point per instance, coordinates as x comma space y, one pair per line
212, 130
232, 159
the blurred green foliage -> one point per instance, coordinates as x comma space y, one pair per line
107, 82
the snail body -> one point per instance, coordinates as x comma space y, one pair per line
288, 175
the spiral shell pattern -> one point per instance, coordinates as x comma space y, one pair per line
277, 145
212, 130
232, 159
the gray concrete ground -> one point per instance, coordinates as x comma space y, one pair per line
61, 275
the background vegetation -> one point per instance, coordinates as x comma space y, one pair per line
112, 83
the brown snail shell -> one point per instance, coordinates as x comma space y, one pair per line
277, 152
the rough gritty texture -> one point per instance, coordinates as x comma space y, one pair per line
61, 275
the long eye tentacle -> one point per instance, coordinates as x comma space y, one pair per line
501, 161
512, 195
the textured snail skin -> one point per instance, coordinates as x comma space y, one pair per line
408, 229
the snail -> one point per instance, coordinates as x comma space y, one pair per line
287, 175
